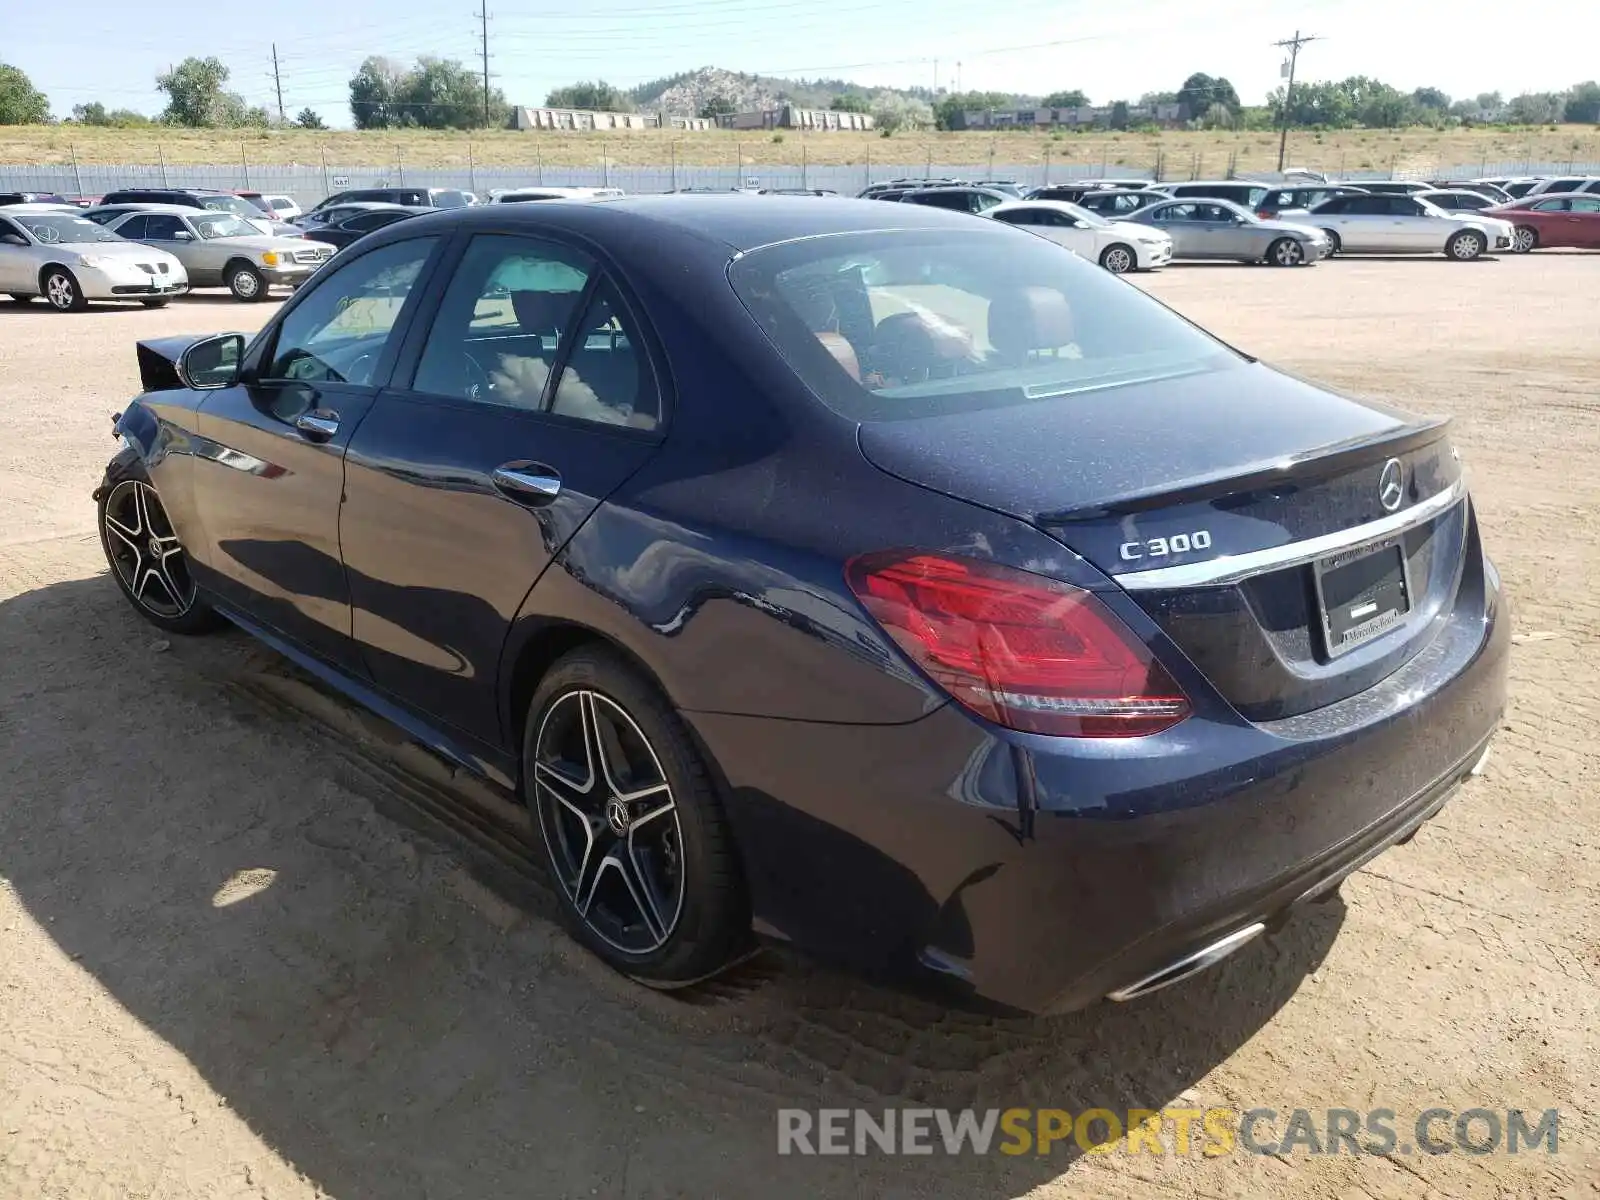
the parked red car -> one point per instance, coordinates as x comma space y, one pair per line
1546, 221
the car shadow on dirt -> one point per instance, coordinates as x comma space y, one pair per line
347, 942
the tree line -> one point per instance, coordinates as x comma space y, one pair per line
439, 93
197, 98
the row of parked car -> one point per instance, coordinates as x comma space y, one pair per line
149, 244
1131, 224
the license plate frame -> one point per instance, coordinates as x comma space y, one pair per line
1362, 594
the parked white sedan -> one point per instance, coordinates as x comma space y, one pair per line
70, 261
1390, 224
1117, 246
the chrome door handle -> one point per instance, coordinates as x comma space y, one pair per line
318, 423
531, 483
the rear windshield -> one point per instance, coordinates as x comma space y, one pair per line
884, 325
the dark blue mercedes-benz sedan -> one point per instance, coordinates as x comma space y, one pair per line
861, 576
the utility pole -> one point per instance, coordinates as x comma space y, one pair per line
936, 78
483, 25
277, 82
1293, 46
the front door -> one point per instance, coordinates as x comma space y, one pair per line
1412, 227
525, 401
269, 469
1215, 232
1581, 223
167, 231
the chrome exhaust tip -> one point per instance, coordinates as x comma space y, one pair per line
1190, 964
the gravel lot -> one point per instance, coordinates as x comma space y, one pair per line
245, 950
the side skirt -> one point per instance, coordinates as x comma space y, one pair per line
494, 766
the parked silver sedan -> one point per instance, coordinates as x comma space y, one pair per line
219, 249
1407, 224
1221, 229
70, 261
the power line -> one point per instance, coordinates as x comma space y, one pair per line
1293, 46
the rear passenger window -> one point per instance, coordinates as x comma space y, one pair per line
607, 377
499, 327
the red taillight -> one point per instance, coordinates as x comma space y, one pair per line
1024, 651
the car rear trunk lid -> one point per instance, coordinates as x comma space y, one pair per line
1296, 545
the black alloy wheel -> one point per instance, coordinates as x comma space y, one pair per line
147, 559
633, 832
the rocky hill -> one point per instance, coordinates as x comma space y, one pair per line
686, 94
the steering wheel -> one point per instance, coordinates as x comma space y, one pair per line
479, 386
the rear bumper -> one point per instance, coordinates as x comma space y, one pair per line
1042, 874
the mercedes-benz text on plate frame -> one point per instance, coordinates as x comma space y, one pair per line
767, 553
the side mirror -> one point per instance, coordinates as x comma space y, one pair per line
212, 362
13, 239
183, 235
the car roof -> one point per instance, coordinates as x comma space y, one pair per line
727, 218
1228, 204
1063, 206
153, 206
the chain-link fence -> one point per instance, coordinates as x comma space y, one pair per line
310, 183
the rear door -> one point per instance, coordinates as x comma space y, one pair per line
1412, 227
523, 399
1181, 222
269, 468
1366, 224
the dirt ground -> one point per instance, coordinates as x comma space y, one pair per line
253, 945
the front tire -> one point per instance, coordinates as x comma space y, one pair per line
1286, 252
162, 303
19, 298
1334, 244
246, 283
1118, 259
1466, 246
61, 289
146, 558
1524, 238
635, 839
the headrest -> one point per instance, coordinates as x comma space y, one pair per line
543, 312
843, 353
1031, 318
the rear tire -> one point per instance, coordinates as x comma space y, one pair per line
1524, 238
60, 287
1119, 259
1286, 252
144, 554
1466, 246
635, 839
246, 283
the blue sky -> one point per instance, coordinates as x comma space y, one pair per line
110, 50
